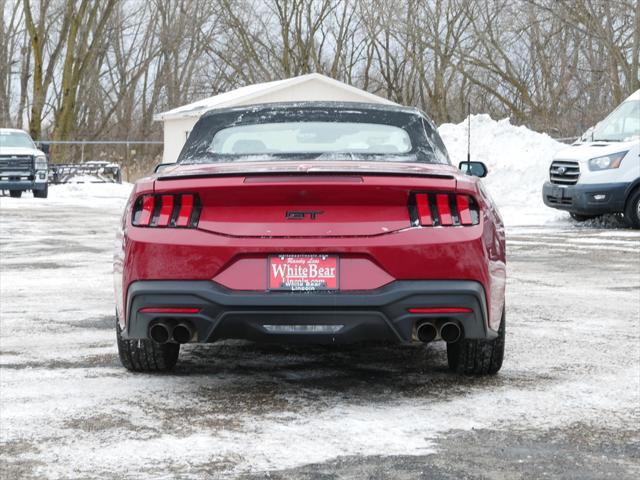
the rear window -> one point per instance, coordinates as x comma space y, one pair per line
318, 131
311, 137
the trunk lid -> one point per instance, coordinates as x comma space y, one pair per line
341, 199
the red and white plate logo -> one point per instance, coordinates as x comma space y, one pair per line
303, 272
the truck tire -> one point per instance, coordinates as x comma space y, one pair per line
581, 218
477, 356
41, 193
146, 355
632, 209
15, 193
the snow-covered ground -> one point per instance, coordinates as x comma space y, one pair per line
68, 409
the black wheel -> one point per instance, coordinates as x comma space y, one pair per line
632, 209
15, 193
581, 218
478, 357
41, 193
146, 355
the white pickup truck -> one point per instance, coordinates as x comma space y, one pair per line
600, 173
22, 166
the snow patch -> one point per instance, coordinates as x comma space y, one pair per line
98, 195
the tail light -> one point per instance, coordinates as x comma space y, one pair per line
167, 210
443, 209
179, 310
440, 310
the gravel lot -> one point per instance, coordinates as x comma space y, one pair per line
566, 403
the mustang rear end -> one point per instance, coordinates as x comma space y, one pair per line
312, 223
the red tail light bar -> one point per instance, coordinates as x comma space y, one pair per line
167, 210
443, 209
185, 310
440, 310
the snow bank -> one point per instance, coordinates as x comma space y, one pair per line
518, 160
98, 195
85, 179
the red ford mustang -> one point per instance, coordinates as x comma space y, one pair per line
312, 222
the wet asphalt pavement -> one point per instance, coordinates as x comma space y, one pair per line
565, 405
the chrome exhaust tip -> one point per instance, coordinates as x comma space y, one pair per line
182, 333
159, 333
450, 332
426, 332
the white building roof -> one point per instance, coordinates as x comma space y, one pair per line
245, 95
634, 96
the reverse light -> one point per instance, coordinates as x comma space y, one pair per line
167, 210
444, 209
606, 162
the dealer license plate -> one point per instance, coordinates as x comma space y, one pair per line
303, 272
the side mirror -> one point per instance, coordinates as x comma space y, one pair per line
162, 166
475, 169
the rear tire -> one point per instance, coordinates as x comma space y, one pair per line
632, 210
581, 218
477, 357
15, 193
41, 193
146, 355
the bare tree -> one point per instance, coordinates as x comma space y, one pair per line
84, 36
100, 69
11, 65
49, 29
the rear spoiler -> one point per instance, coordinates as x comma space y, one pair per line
391, 173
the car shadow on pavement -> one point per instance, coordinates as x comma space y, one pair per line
371, 371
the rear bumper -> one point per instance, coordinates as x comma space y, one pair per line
580, 198
378, 315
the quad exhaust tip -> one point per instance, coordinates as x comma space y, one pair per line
159, 333
162, 332
426, 332
450, 332
182, 333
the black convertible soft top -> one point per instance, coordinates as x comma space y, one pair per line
427, 146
